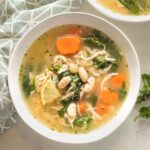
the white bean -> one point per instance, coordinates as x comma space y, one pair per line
73, 68
64, 82
83, 74
91, 82
71, 110
86, 88
89, 85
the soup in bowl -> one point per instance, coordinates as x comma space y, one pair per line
72, 82
124, 10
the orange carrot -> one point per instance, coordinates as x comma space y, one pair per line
117, 81
75, 31
109, 97
102, 109
68, 44
82, 106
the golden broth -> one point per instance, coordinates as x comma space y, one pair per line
39, 55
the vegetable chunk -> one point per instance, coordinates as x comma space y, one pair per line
49, 92
109, 97
117, 81
68, 44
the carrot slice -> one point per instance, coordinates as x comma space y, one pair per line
82, 106
75, 31
68, 44
117, 81
109, 97
102, 109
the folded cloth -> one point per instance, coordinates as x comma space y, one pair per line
16, 18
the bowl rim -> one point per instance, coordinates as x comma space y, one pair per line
74, 139
117, 16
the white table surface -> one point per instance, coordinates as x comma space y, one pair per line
128, 136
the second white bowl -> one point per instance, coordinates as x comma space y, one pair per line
117, 16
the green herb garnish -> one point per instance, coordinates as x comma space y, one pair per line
63, 110
145, 90
27, 85
123, 91
96, 39
114, 68
83, 121
101, 63
55, 67
144, 112
93, 100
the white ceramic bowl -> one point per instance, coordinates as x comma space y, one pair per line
82, 19
117, 16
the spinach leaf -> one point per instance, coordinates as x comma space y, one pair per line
74, 97
123, 91
131, 5
101, 63
96, 39
93, 100
113, 50
103, 38
83, 121
64, 74
76, 80
27, 86
55, 67
114, 68
63, 110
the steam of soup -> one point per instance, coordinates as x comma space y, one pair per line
74, 79
127, 7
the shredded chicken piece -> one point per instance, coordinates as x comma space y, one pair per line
63, 68
55, 108
93, 113
32, 92
110, 59
103, 71
95, 72
60, 59
31, 77
70, 119
68, 95
83, 63
73, 85
88, 50
55, 78
93, 56
41, 79
106, 78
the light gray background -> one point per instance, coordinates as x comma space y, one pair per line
128, 136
